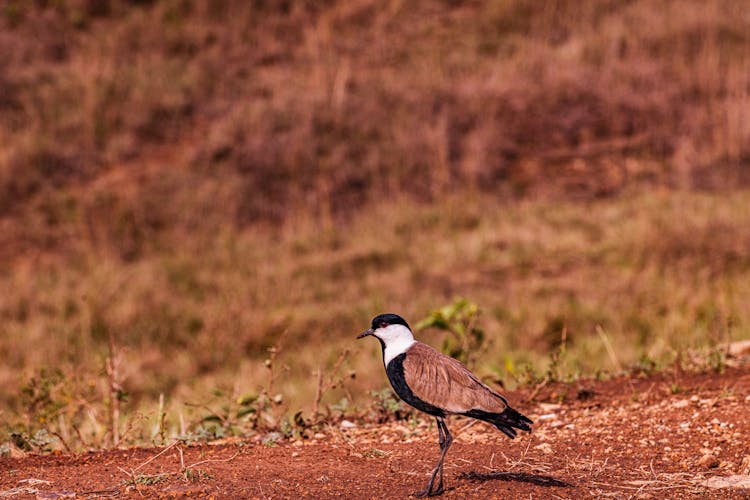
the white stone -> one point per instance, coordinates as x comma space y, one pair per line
738, 481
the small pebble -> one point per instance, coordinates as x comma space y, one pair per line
708, 461
545, 448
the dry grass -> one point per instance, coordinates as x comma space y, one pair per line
183, 182
202, 317
322, 107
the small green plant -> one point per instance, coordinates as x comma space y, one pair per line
525, 374
335, 378
645, 365
461, 319
194, 475
234, 416
148, 479
41, 440
296, 426
374, 453
272, 439
42, 399
554, 371
238, 413
385, 405
717, 359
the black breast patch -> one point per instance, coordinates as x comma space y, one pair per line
395, 372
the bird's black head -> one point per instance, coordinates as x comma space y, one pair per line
383, 320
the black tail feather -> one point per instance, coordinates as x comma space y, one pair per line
507, 422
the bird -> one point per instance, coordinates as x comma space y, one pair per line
438, 385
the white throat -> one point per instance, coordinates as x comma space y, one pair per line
397, 339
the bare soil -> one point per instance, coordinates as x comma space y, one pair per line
665, 436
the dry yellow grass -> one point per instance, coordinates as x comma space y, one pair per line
191, 180
656, 273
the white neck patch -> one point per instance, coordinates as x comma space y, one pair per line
397, 339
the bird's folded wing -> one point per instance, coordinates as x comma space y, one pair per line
444, 382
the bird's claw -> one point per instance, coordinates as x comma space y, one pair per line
428, 493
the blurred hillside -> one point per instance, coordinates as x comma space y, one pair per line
110, 108
185, 182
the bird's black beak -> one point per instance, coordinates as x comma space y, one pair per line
365, 333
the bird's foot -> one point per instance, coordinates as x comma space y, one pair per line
426, 493
429, 491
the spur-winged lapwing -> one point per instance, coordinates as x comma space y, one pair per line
438, 385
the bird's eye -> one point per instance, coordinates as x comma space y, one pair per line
383, 324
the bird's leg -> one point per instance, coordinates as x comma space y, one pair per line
447, 440
441, 434
444, 439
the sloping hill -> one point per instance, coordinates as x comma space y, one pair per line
279, 107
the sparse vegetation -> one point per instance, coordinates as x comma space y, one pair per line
461, 320
183, 184
530, 267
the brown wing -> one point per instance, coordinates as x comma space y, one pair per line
444, 382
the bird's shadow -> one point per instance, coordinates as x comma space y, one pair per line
521, 477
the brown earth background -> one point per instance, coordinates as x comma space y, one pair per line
667, 436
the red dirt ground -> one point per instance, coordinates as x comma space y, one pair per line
666, 436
